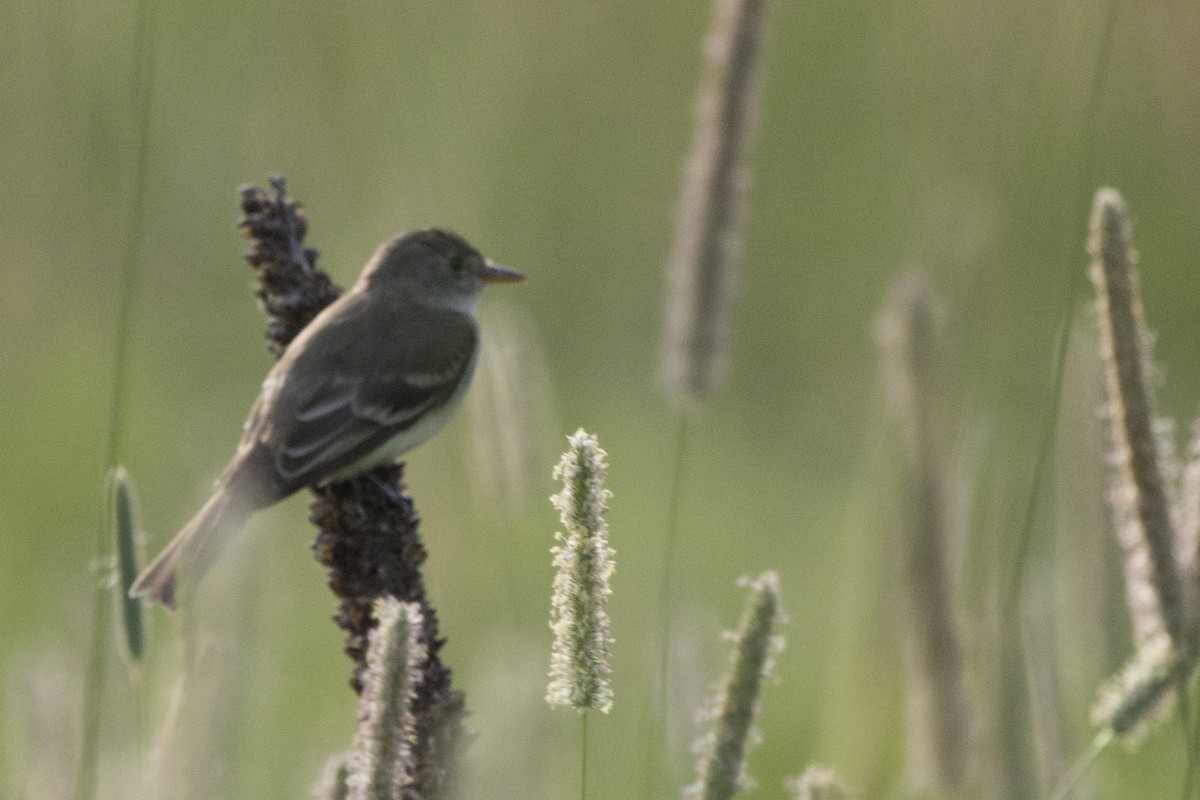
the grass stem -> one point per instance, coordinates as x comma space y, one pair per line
1082, 765
583, 737
142, 85
1070, 289
1186, 729
666, 587
656, 711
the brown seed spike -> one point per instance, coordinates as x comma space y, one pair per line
711, 207
1139, 497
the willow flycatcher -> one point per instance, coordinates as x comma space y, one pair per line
375, 374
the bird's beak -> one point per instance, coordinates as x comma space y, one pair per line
495, 273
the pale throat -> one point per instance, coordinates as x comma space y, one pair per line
462, 302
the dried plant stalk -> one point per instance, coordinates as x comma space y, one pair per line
368, 536
711, 209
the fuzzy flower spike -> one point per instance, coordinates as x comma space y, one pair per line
579, 662
722, 752
382, 766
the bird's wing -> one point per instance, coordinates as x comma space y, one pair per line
356, 407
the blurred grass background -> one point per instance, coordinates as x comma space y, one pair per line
949, 136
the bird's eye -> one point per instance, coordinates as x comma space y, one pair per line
457, 266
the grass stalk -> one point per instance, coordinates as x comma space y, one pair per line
1070, 289
704, 257
142, 84
93, 689
656, 711
1192, 739
1081, 766
583, 748
1188, 731
666, 586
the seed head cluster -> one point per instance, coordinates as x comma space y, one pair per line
579, 662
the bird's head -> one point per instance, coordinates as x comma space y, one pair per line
434, 266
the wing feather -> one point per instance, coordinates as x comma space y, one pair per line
324, 426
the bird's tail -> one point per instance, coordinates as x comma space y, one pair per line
194, 548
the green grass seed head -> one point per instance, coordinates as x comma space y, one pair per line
123, 510
722, 752
1140, 696
580, 667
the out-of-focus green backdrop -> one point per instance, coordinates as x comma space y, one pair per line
945, 136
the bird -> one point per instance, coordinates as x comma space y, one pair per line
375, 374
